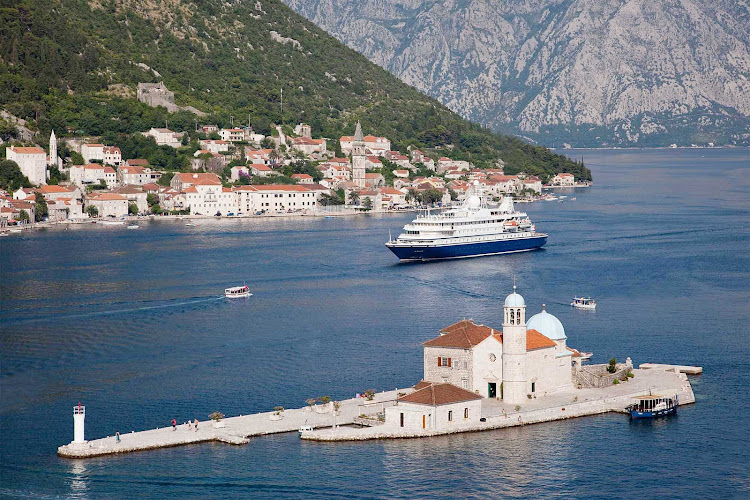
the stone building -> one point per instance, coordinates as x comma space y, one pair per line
359, 158
157, 94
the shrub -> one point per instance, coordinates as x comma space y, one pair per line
612, 368
325, 400
278, 409
310, 401
631, 374
217, 415
518, 407
615, 382
370, 394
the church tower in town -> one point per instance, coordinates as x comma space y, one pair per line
514, 349
53, 149
358, 157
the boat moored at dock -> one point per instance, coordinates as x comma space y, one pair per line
653, 406
474, 229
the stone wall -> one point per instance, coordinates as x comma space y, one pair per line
598, 376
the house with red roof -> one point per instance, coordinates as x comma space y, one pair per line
563, 179
32, 161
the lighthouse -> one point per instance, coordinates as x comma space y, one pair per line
79, 415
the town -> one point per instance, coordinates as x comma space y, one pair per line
235, 172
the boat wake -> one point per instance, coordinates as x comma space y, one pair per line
57, 317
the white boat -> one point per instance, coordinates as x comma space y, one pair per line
306, 428
190, 224
236, 292
473, 229
134, 226
112, 222
583, 303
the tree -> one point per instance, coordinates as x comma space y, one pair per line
76, 158
23, 216
11, 177
92, 211
367, 203
41, 207
354, 198
132, 209
165, 179
152, 199
156, 209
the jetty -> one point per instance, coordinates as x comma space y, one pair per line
359, 419
689, 370
233, 430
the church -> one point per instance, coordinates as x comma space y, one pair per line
469, 362
522, 359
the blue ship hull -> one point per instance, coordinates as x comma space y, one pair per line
653, 414
437, 252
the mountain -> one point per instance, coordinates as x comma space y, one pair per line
73, 65
587, 72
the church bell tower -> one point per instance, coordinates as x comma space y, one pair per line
358, 157
514, 349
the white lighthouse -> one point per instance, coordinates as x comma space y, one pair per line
79, 415
514, 349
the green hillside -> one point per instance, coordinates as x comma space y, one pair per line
60, 58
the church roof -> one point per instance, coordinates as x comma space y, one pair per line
466, 334
439, 394
358, 135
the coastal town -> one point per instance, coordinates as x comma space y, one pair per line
235, 172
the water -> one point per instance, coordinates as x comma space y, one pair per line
130, 323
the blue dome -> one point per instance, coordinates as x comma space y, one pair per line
514, 300
547, 325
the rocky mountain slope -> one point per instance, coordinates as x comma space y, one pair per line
73, 65
588, 72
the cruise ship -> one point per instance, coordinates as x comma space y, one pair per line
471, 230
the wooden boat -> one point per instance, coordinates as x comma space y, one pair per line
237, 292
652, 406
584, 303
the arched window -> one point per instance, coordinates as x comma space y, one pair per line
518, 317
512, 317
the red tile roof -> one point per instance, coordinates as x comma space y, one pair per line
27, 150
466, 334
204, 178
439, 394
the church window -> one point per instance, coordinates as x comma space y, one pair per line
512, 317
466, 413
493, 357
450, 415
465, 384
533, 387
518, 317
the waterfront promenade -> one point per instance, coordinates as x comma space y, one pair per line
239, 430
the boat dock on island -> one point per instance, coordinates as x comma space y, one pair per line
341, 425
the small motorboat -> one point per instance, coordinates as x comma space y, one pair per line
112, 222
306, 428
584, 303
134, 226
237, 292
190, 224
652, 406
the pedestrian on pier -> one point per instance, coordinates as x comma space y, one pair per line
174, 424
117, 437
190, 425
196, 425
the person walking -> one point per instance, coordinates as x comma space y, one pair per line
196, 425
190, 425
174, 424
117, 437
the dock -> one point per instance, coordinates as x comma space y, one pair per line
340, 426
557, 406
234, 430
688, 370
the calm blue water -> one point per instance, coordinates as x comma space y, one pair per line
129, 323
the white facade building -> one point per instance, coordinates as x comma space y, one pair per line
520, 361
93, 173
435, 406
109, 204
165, 137
91, 152
137, 176
31, 160
275, 198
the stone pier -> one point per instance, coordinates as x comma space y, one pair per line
233, 430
